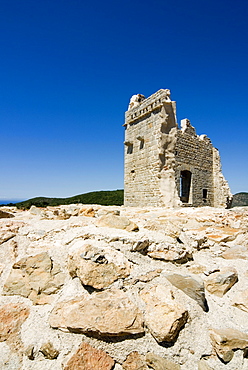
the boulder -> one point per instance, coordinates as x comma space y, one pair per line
218, 283
192, 287
117, 222
170, 250
98, 265
225, 341
89, 358
34, 277
157, 362
108, 313
164, 317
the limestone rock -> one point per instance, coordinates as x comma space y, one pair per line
89, 358
164, 317
117, 222
182, 256
9, 229
48, 350
170, 250
225, 341
241, 300
35, 210
110, 312
220, 282
88, 211
12, 317
4, 214
107, 211
150, 275
203, 365
34, 277
159, 363
135, 361
236, 252
192, 287
98, 265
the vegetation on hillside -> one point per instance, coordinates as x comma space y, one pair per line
105, 198
240, 199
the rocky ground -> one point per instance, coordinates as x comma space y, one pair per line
93, 287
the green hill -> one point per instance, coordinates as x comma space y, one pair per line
240, 199
105, 198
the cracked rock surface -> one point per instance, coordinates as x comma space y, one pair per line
123, 288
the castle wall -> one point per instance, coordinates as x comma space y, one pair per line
165, 165
195, 154
148, 137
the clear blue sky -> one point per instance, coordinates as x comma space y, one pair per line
69, 67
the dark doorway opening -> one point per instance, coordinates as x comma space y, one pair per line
185, 183
204, 195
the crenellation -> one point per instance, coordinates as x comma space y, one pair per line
166, 165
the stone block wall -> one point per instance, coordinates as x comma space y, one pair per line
195, 154
145, 147
166, 165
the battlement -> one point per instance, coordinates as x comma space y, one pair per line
147, 106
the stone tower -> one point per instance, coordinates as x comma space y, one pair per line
167, 166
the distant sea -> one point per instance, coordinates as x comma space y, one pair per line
7, 201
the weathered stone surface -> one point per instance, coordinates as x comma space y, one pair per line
88, 211
178, 256
60, 238
163, 316
34, 277
8, 229
203, 365
135, 361
236, 252
12, 317
4, 214
171, 250
89, 358
225, 341
192, 287
159, 363
150, 275
107, 211
161, 159
117, 222
241, 300
106, 313
220, 282
197, 269
98, 265
48, 350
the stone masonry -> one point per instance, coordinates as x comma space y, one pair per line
168, 166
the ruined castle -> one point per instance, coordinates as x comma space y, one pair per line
168, 166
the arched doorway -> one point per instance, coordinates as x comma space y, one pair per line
185, 183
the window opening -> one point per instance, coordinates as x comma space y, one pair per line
130, 149
204, 195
